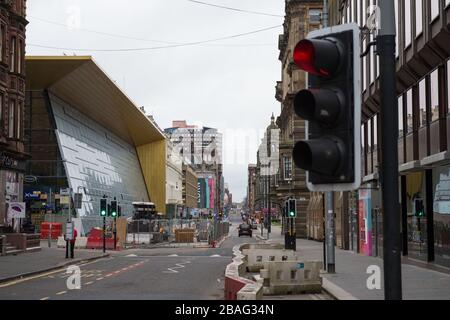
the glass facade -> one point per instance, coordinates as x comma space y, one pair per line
71, 150
96, 161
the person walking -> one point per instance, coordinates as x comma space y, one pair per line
72, 243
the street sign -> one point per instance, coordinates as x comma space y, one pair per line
64, 191
16, 210
64, 200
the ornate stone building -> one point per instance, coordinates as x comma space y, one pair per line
301, 18
12, 98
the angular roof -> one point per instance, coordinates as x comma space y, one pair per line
81, 83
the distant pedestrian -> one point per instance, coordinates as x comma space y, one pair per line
72, 243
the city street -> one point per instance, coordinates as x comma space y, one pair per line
149, 274
143, 274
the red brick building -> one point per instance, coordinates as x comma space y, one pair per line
12, 98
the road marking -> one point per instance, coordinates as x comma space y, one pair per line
216, 256
46, 298
108, 275
99, 279
89, 283
43, 275
173, 255
131, 256
61, 293
116, 272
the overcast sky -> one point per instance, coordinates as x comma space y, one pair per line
227, 84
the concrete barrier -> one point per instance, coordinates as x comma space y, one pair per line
80, 243
257, 257
291, 277
251, 292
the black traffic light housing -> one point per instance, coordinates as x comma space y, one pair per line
419, 208
114, 209
292, 208
103, 207
331, 104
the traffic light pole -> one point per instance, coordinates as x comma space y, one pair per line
104, 234
115, 233
329, 196
389, 173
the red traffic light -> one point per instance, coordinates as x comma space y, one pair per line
318, 57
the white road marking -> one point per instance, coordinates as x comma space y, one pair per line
131, 256
215, 256
99, 279
173, 255
61, 293
88, 283
46, 298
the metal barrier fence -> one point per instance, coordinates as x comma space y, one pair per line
146, 232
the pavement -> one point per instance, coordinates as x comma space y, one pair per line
351, 277
29, 264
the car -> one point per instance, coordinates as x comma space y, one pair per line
245, 229
254, 225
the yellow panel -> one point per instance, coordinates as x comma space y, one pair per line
153, 162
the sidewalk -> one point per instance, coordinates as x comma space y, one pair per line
351, 276
28, 264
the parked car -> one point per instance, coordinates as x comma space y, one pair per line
245, 229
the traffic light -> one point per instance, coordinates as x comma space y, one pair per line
292, 208
114, 209
419, 208
103, 208
331, 104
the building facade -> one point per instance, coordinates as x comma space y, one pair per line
174, 182
301, 18
423, 77
201, 148
250, 200
190, 190
89, 138
12, 99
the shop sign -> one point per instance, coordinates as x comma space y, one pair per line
16, 210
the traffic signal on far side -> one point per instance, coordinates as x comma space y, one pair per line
103, 208
419, 208
331, 105
114, 209
292, 208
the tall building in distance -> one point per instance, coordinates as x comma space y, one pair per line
12, 99
423, 77
201, 148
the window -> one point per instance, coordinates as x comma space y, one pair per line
1, 113
400, 116
2, 42
422, 103
12, 107
372, 61
419, 17
287, 168
407, 23
396, 27
434, 88
13, 55
315, 15
19, 57
448, 84
369, 135
364, 69
409, 111
375, 132
19, 122
434, 9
